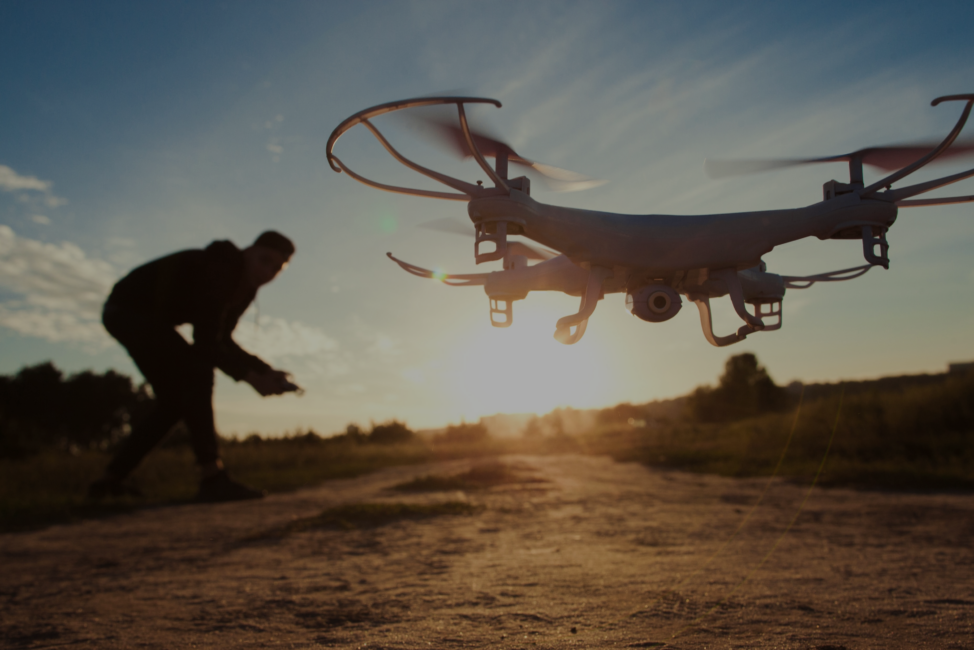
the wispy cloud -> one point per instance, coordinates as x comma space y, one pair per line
11, 181
277, 339
58, 292
57, 289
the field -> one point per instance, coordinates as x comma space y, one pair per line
534, 551
904, 435
840, 519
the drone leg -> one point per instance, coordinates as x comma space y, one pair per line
501, 307
706, 323
768, 310
869, 244
733, 283
593, 293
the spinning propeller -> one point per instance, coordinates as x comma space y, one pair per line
448, 131
886, 159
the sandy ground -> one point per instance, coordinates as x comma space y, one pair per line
600, 555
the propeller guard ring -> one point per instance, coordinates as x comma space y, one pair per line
467, 191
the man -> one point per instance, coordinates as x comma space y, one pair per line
209, 289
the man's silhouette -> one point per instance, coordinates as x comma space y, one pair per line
209, 289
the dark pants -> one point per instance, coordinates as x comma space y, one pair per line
182, 383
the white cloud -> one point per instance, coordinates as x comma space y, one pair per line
59, 292
58, 289
40, 219
277, 339
11, 181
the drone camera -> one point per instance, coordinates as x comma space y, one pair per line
654, 303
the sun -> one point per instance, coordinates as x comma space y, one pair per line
522, 369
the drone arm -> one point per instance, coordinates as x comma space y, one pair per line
923, 188
944, 201
455, 183
456, 280
909, 169
494, 176
803, 282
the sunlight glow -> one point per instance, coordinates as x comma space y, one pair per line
523, 369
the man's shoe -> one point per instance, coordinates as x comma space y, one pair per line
220, 487
111, 487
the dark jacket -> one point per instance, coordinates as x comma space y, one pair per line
205, 288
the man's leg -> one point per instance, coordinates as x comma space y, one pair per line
197, 413
161, 355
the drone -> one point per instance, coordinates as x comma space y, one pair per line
655, 259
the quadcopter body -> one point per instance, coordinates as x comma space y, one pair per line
655, 259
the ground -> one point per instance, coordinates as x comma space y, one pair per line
578, 552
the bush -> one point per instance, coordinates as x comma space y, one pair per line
463, 433
745, 390
390, 433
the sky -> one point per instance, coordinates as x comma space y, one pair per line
132, 130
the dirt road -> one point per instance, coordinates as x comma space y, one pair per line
598, 554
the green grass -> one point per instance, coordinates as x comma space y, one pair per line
368, 515
918, 437
51, 487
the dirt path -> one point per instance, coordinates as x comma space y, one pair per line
599, 555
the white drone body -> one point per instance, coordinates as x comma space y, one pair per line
654, 259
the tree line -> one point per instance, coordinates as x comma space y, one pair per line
41, 408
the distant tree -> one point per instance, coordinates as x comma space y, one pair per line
745, 389
621, 413
40, 408
464, 433
390, 433
532, 429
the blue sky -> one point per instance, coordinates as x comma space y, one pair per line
131, 130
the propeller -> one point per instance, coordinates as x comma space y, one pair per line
457, 227
447, 129
886, 159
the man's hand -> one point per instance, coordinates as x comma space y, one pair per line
270, 382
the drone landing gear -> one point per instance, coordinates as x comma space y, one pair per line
503, 308
706, 323
752, 322
564, 332
869, 244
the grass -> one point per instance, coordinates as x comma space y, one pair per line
910, 436
919, 437
51, 487
368, 515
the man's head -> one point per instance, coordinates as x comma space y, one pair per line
266, 257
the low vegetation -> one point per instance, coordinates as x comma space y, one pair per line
914, 432
909, 434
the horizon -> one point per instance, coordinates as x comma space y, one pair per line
133, 131
507, 425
